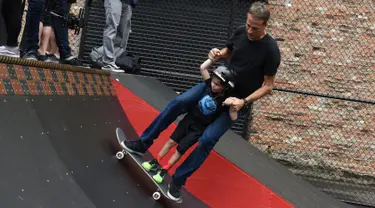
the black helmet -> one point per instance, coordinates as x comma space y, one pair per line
226, 75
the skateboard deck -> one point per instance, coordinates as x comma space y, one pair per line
161, 188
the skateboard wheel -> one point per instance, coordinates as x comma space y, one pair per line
120, 155
156, 195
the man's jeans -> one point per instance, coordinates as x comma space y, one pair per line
207, 141
35, 10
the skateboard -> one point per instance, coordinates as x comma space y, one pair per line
162, 188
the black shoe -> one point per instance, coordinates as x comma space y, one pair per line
52, 58
174, 191
30, 55
136, 147
42, 58
71, 61
96, 65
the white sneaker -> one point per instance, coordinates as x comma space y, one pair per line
112, 68
9, 51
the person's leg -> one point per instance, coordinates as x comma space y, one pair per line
44, 41
113, 10
47, 39
45, 35
53, 54
123, 31
206, 143
12, 19
2, 14
148, 165
179, 105
41, 25
159, 176
35, 9
166, 148
194, 133
52, 47
1, 6
61, 32
179, 136
11, 10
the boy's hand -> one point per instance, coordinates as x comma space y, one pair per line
214, 54
232, 109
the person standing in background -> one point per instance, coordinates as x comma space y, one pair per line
47, 47
11, 12
36, 9
115, 35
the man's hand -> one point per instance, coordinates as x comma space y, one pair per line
214, 54
228, 101
234, 103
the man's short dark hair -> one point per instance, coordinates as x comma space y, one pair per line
259, 10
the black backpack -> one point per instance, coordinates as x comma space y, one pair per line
129, 62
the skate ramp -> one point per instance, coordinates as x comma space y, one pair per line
236, 174
58, 143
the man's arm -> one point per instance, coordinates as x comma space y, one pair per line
267, 87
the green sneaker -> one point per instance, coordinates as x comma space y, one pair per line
159, 177
148, 165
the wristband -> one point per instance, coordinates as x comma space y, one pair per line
245, 101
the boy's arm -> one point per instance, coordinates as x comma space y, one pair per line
217, 55
233, 113
205, 68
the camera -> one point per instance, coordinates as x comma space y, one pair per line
71, 20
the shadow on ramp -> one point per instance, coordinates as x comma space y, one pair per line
59, 151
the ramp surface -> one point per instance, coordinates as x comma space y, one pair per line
58, 146
59, 151
235, 170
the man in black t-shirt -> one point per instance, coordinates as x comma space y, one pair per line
254, 56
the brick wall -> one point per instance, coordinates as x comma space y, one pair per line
328, 48
316, 131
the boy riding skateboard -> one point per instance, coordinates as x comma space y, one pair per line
215, 101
